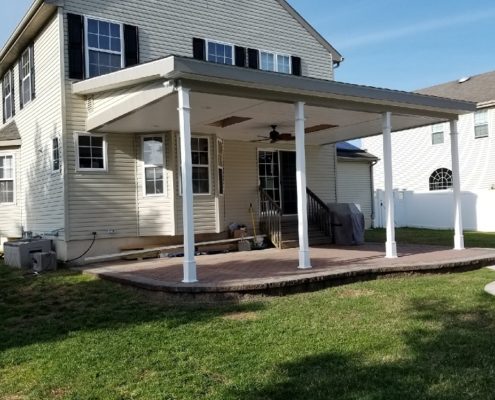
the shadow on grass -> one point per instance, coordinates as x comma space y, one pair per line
450, 354
37, 309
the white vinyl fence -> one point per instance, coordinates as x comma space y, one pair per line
435, 210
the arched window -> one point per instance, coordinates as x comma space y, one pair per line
441, 179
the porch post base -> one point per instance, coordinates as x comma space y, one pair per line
304, 260
459, 242
190, 272
391, 250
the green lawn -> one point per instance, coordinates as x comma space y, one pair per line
67, 336
433, 237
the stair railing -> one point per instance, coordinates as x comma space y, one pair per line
319, 214
270, 218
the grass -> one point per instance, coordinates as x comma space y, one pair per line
68, 336
433, 237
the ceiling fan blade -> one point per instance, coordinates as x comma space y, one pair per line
260, 140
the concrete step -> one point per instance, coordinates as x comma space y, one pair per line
294, 243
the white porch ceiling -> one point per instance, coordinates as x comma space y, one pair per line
162, 115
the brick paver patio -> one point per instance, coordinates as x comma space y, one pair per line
257, 271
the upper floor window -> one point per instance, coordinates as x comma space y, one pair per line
437, 134
26, 70
153, 158
220, 53
91, 152
481, 124
275, 62
8, 95
6, 179
104, 47
441, 179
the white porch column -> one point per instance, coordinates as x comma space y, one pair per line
390, 245
302, 203
456, 183
187, 192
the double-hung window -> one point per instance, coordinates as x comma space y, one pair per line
25, 77
153, 158
104, 47
200, 165
91, 152
8, 95
275, 62
55, 155
437, 134
481, 124
220, 53
6, 179
220, 161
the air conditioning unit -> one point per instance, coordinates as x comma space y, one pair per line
45, 261
20, 253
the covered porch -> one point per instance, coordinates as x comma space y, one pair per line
188, 96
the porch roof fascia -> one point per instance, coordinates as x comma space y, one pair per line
220, 79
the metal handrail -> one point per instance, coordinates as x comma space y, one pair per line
270, 218
319, 213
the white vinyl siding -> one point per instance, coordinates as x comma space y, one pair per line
260, 24
39, 193
354, 186
414, 158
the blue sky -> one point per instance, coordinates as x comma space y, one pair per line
401, 44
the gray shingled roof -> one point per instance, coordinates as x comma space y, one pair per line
479, 89
9, 132
347, 150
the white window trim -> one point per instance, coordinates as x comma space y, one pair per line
221, 166
57, 171
482, 124
164, 150
208, 41
14, 197
275, 61
4, 97
87, 48
438, 128
105, 152
26, 78
179, 169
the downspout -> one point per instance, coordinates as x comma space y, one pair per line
372, 186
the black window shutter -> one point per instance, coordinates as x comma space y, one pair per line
199, 49
21, 96
131, 43
253, 58
296, 66
3, 104
33, 76
76, 46
12, 96
240, 56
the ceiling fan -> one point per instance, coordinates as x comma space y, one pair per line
275, 136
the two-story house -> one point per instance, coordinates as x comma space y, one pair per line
127, 124
423, 165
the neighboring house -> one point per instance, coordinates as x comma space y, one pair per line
355, 178
423, 166
104, 95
